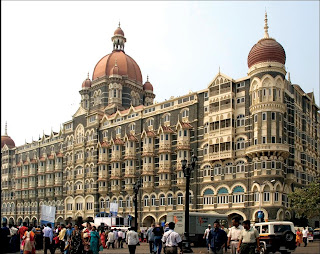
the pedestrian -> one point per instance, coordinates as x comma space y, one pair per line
62, 234
110, 239
120, 239
217, 239
55, 242
95, 241
14, 239
103, 238
249, 239
305, 232
172, 240
132, 239
5, 237
21, 232
150, 237
206, 235
48, 237
158, 233
38, 238
234, 235
29, 242
298, 237
76, 246
115, 232
142, 235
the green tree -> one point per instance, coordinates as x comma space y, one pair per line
305, 202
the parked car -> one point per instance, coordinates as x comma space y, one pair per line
310, 235
316, 233
276, 236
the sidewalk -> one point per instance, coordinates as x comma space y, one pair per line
143, 248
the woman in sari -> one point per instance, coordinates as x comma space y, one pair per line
76, 246
103, 238
298, 237
29, 242
94, 241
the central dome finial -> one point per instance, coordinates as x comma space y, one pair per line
118, 39
266, 34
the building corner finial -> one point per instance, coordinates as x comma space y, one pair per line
119, 23
147, 78
289, 78
88, 76
6, 129
266, 34
219, 69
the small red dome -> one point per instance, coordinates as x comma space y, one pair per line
86, 83
6, 140
114, 70
266, 50
148, 86
118, 31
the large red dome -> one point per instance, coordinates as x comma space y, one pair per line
8, 141
127, 66
266, 50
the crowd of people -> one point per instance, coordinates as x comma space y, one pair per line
86, 239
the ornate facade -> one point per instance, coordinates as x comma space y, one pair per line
256, 139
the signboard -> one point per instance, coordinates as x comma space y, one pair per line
114, 209
48, 214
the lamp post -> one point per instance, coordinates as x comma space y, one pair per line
260, 198
136, 188
187, 173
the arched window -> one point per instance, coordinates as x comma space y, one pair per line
162, 200
222, 197
180, 199
120, 202
153, 200
240, 167
118, 130
238, 195
146, 201
240, 120
208, 197
150, 122
166, 118
170, 199
185, 113
229, 168
240, 144
205, 149
206, 127
217, 169
207, 170
266, 194
128, 203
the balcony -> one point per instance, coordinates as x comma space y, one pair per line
181, 183
41, 183
25, 196
148, 150
57, 181
129, 155
278, 149
41, 170
69, 177
32, 171
49, 183
79, 191
129, 188
18, 195
115, 189
41, 195
58, 193
18, 186
148, 168
18, 173
32, 184
32, 195
49, 168
220, 155
183, 144
165, 185
58, 166
165, 148
148, 186
25, 185
103, 190
25, 173
49, 194
116, 157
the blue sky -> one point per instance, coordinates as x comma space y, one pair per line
48, 48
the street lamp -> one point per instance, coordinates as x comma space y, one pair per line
136, 188
187, 173
260, 198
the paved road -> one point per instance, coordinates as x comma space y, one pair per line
312, 248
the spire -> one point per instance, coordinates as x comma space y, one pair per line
289, 78
147, 78
88, 76
119, 23
219, 69
266, 34
5, 130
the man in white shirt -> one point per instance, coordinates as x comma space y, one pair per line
110, 239
120, 239
305, 232
234, 235
206, 235
132, 240
48, 236
172, 240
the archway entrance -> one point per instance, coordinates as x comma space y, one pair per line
148, 221
234, 215
79, 220
162, 220
68, 220
20, 221
11, 221
34, 221
27, 220
60, 221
